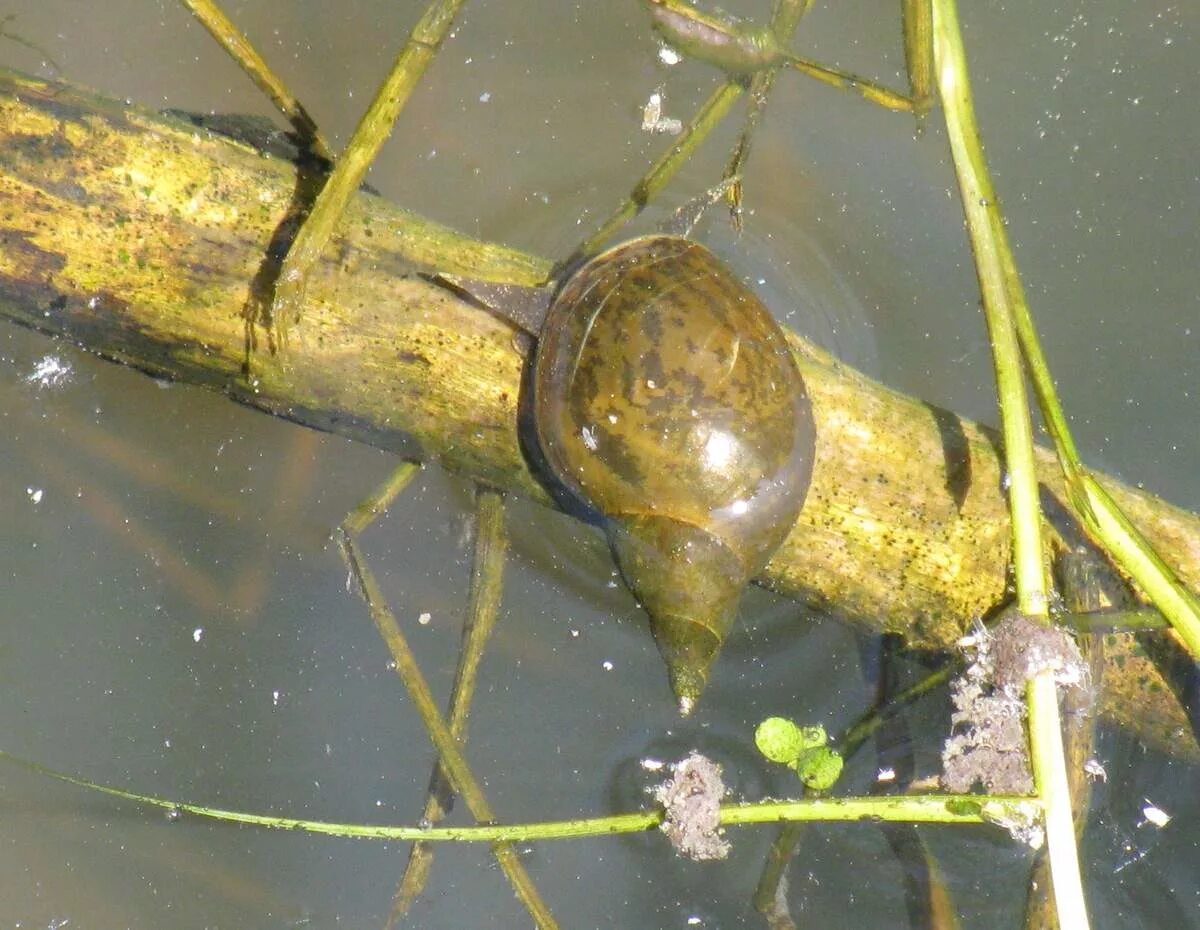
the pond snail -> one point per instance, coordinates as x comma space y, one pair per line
665, 398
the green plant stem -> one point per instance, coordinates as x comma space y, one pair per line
942, 808
1094, 506
487, 573
857, 734
1097, 510
784, 19
869, 90
239, 48
369, 509
979, 206
710, 114
984, 226
918, 53
1048, 760
449, 752
1135, 554
372, 130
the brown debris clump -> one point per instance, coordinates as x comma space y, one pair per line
691, 799
988, 745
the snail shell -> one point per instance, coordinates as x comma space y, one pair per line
665, 398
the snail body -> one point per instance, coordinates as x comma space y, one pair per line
666, 399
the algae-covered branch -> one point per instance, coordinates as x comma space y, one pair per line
140, 237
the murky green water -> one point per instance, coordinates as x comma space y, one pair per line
175, 620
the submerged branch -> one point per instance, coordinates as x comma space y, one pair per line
142, 239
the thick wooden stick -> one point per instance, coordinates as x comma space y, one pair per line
140, 238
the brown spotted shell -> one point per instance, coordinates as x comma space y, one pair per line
666, 398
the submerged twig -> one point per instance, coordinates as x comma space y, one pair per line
486, 579
373, 129
241, 50
449, 754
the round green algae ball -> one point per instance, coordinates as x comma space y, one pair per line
819, 768
779, 740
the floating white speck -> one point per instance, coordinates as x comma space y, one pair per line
589, 437
652, 765
1094, 770
35, 495
485, 97
606, 665
885, 775
668, 56
275, 698
50, 371
1155, 815
660, 124
197, 634
424, 618
652, 112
